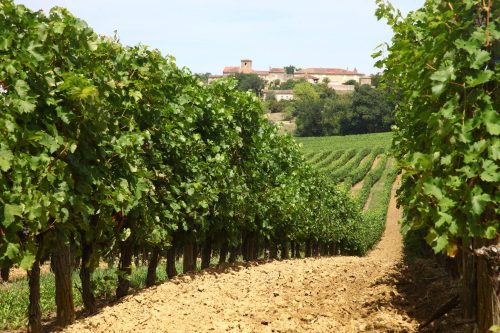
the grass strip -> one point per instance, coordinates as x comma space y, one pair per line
371, 178
14, 296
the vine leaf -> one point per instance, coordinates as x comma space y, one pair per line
6, 158
9, 212
27, 261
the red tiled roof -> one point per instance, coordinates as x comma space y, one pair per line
234, 69
231, 69
327, 71
277, 70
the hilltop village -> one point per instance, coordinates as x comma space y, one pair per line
334, 77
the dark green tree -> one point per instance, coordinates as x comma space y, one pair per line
291, 69
251, 82
371, 111
287, 85
309, 117
351, 82
203, 76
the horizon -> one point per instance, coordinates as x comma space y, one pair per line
318, 34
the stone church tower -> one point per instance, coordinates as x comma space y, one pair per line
246, 66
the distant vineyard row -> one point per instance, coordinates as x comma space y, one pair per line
360, 161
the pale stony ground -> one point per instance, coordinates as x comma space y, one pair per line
332, 294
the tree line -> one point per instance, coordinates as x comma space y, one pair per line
320, 111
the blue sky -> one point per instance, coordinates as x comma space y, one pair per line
208, 35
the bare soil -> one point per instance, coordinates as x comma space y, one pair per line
278, 118
17, 273
376, 293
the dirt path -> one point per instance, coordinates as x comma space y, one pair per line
335, 294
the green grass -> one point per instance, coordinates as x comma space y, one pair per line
370, 179
376, 199
14, 296
317, 157
363, 168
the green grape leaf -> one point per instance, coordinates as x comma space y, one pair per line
21, 88
479, 202
27, 261
25, 106
491, 120
490, 172
481, 78
6, 158
10, 212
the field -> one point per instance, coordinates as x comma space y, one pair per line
314, 145
361, 162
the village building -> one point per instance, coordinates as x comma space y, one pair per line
366, 80
334, 77
279, 95
245, 68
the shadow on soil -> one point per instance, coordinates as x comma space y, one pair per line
427, 294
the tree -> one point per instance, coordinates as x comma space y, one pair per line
203, 76
376, 79
271, 96
250, 82
371, 111
288, 84
291, 69
324, 90
304, 92
309, 117
278, 106
335, 114
367, 110
351, 82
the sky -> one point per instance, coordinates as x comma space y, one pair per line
206, 35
